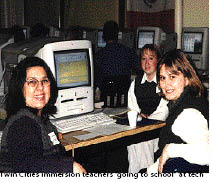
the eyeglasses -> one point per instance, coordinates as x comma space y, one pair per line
34, 82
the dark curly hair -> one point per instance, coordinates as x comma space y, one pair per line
15, 99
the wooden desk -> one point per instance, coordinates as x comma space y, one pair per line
108, 153
71, 143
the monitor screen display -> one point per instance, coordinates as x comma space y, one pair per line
145, 37
25, 33
72, 68
192, 42
101, 42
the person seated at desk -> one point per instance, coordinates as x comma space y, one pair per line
143, 97
184, 141
29, 142
114, 64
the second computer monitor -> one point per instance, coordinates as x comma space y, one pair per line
145, 37
26, 30
195, 44
155, 35
100, 41
149, 35
125, 37
5, 39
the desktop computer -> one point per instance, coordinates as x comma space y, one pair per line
125, 36
26, 30
195, 44
72, 65
5, 39
155, 35
13, 53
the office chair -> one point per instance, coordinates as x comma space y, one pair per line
113, 89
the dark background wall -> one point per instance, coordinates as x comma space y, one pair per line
40, 11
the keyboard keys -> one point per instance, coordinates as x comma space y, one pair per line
82, 122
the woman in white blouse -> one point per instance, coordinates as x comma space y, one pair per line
144, 98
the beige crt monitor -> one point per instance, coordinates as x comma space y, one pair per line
195, 44
125, 37
2, 71
72, 65
149, 35
155, 35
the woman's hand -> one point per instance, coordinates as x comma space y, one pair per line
163, 158
77, 168
144, 115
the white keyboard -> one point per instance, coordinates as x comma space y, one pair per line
82, 122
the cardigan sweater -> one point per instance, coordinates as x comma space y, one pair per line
30, 144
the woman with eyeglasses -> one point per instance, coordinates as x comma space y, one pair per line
30, 142
184, 141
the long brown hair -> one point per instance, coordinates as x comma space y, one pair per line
177, 61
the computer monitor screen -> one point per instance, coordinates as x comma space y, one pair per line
195, 44
72, 68
192, 42
25, 33
145, 37
101, 42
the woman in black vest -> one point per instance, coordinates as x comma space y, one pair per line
30, 142
184, 141
144, 98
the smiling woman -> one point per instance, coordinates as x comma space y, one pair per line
21, 91
145, 101
172, 83
36, 88
29, 142
184, 141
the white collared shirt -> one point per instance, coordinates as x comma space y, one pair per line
160, 113
153, 80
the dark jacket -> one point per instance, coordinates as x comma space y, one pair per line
27, 146
114, 60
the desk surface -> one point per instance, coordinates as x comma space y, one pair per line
70, 142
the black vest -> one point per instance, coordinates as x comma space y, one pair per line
186, 100
147, 98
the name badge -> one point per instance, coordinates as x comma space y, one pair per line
53, 138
